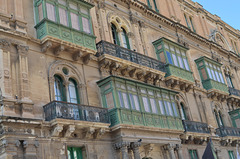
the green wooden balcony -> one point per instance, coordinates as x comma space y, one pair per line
179, 72
211, 84
48, 28
130, 117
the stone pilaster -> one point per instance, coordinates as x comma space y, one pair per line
123, 146
179, 151
135, 148
170, 148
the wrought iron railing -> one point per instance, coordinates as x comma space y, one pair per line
198, 127
64, 110
233, 91
228, 131
104, 47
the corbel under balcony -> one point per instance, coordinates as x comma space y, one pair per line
217, 95
120, 67
58, 46
234, 96
173, 81
197, 139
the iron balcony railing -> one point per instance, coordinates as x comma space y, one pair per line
64, 110
198, 127
228, 131
233, 91
104, 47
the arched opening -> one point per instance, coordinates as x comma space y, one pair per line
125, 39
59, 89
115, 34
219, 118
183, 112
73, 92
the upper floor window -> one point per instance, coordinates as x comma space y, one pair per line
183, 112
229, 80
172, 53
66, 13
231, 154
219, 118
152, 3
210, 69
193, 154
235, 47
76, 153
120, 36
189, 22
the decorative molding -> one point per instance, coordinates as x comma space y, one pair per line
4, 45
57, 130
22, 50
69, 131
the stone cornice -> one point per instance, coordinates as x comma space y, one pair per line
155, 15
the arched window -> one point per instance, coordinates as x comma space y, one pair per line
115, 34
183, 112
59, 89
125, 39
72, 92
219, 118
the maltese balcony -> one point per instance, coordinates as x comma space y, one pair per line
234, 96
229, 135
117, 60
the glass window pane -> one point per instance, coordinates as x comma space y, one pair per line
63, 16
175, 60
166, 107
73, 6
86, 25
125, 100
180, 62
221, 77
161, 107
214, 76
146, 104
170, 109
217, 75
136, 102
63, 2
169, 57
75, 21
120, 99
40, 12
124, 39
72, 92
186, 64
153, 105
51, 12
58, 89
175, 110
209, 73
84, 10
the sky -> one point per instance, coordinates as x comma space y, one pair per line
228, 11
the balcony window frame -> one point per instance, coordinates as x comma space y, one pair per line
68, 9
78, 150
149, 94
60, 93
231, 154
193, 153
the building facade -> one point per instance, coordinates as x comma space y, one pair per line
117, 79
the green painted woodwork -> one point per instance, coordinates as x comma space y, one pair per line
207, 72
45, 27
211, 84
235, 117
125, 116
175, 58
179, 72
75, 153
122, 111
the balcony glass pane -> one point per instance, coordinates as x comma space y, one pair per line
86, 25
146, 104
75, 21
169, 57
213, 74
73, 6
175, 109
209, 73
221, 76
51, 12
153, 105
40, 12
186, 64
109, 100
63, 16
72, 92
161, 107
180, 62
175, 60
217, 75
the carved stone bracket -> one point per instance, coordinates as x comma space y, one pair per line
86, 59
57, 130
77, 55
47, 45
148, 149
58, 50
22, 50
69, 131
88, 133
121, 144
99, 133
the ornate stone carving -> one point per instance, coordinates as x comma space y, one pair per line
58, 50
99, 133
25, 144
88, 132
46, 46
17, 143
148, 149
36, 143
86, 59
69, 131
22, 50
4, 44
57, 130
77, 55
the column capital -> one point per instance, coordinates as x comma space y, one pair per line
121, 144
170, 146
23, 50
4, 44
134, 145
178, 146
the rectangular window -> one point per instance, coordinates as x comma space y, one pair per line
73, 6
170, 109
75, 21
193, 154
40, 12
217, 75
213, 74
134, 101
153, 105
180, 62
63, 16
161, 107
51, 12
186, 64
231, 155
174, 109
221, 76
86, 25
175, 60
146, 104
125, 100
109, 100
169, 57
75, 153
84, 10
